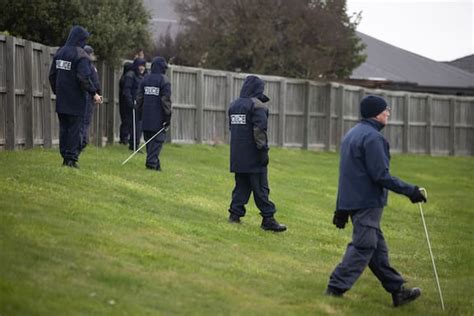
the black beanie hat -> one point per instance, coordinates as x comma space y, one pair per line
371, 106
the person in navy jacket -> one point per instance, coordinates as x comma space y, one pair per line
130, 88
364, 181
154, 105
90, 103
248, 117
70, 78
126, 116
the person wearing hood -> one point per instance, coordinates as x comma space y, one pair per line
130, 88
70, 78
248, 118
90, 103
154, 105
126, 116
364, 179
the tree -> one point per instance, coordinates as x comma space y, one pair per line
299, 38
117, 26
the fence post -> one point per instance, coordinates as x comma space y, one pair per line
330, 108
47, 104
406, 123
111, 106
228, 98
199, 105
429, 125
169, 133
282, 113
29, 120
307, 121
10, 128
452, 126
340, 115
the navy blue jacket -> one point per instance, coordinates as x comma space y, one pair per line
96, 82
126, 67
154, 97
248, 118
70, 74
132, 82
364, 175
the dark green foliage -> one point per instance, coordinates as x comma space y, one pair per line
302, 38
117, 27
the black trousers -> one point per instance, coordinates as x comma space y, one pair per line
256, 183
86, 124
70, 128
137, 133
368, 248
126, 118
153, 148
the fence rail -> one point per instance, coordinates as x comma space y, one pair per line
303, 113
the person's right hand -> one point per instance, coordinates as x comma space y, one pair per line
417, 196
98, 99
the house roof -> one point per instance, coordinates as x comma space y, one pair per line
391, 63
465, 63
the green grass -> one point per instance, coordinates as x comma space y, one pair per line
115, 240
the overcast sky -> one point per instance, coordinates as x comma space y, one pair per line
442, 30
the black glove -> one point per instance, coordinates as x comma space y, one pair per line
264, 159
340, 219
417, 196
167, 122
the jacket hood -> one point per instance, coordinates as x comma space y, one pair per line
77, 36
253, 88
159, 65
126, 67
137, 62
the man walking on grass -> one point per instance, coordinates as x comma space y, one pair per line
364, 179
248, 117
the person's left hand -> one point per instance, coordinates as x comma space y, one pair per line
340, 219
417, 196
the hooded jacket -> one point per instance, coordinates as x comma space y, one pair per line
132, 82
364, 175
154, 97
126, 67
248, 118
70, 74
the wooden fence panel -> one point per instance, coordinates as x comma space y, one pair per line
318, 116
417, 125
464, 121
440, 114
184, 87
294, 113
214, 121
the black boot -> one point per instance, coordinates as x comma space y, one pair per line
270, 223
72, 164
404, 296
234, 219
332, 291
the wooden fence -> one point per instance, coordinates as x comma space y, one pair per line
303, 113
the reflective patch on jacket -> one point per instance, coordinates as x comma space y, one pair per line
237, 119
63, 64
152, 91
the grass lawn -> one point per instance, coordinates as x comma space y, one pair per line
115, 240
